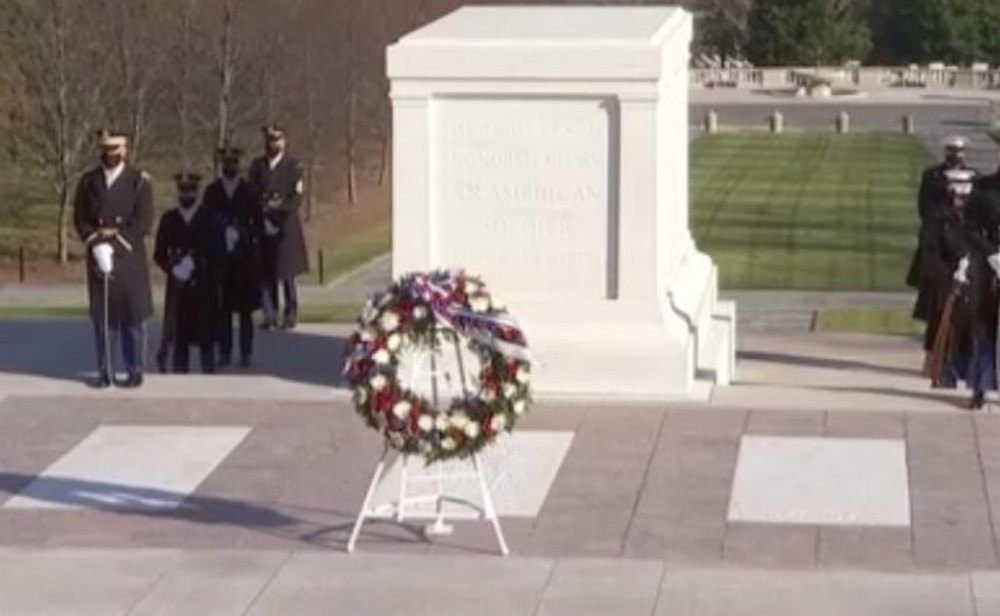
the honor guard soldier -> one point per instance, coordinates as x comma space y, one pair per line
113, 214
933, 202
277, 180
188, 251
239, 212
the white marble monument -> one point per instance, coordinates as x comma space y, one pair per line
546, 149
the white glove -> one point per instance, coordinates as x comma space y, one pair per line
104, 256
961, 274
270, 228
180, 272
232, 236
994, 261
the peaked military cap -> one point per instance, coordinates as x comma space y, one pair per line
111, 140
273, 131
230, 152
956, 142
187, 181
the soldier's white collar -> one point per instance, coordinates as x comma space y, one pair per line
112, 174
273, 162
188, 214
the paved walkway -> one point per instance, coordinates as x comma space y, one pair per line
281, 583
830, 466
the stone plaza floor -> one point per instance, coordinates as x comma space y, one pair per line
828, 480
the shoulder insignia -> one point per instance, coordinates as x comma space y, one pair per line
300, 187
145, 175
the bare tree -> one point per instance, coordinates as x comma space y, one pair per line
51, 47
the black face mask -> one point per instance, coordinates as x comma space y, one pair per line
111, 160
186, 202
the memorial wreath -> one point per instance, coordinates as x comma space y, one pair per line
416, 314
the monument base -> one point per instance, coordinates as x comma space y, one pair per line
676, 348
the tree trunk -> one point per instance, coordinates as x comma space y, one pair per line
384, 164
225, 81
62, 233
351, 147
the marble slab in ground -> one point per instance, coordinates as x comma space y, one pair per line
131, 467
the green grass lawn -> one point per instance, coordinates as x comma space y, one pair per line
807, 211
868, 319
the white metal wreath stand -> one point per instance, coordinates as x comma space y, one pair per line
398, 508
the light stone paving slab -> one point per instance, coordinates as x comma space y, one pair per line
409, 586
131, 467
822, 593
986, 591
78, 582
519, 469
580, 587
834, 481
235, 579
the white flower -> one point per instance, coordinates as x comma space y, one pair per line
389, 321
378, 382
520, 407
360, 396
401, 409
498, 423
509, 390
367, 335
489, 395
419, 313
368, 313
448, 444
523, 376
497, 305
393, 342
460, 420
472, 430
381, 357
425, 423
441, 422
479, 303
472, 286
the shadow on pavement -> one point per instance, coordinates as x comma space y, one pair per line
822, 362
64, 349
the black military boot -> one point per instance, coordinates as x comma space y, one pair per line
978, 401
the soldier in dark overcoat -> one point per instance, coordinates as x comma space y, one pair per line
278, 182
113, 214
188, 251
932, 199
239, 211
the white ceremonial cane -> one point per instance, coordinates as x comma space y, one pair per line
105, 264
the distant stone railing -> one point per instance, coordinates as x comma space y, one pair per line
933, 76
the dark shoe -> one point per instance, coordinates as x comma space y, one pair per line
161, 362
101, 382
246, 362
288, 324
268, 326
134, 381
978, 401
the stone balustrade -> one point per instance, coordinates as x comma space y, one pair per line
934, 76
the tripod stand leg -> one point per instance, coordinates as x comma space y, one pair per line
366, 505
488, 508
108, 367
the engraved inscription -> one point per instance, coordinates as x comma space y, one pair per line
521, 193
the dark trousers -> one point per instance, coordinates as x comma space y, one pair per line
270, 300
133, 347
246, 335
182, 354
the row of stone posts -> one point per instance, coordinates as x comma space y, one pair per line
776, 123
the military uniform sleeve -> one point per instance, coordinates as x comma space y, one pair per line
85, 228
140, 224
925, 198
292, 199
160, 247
